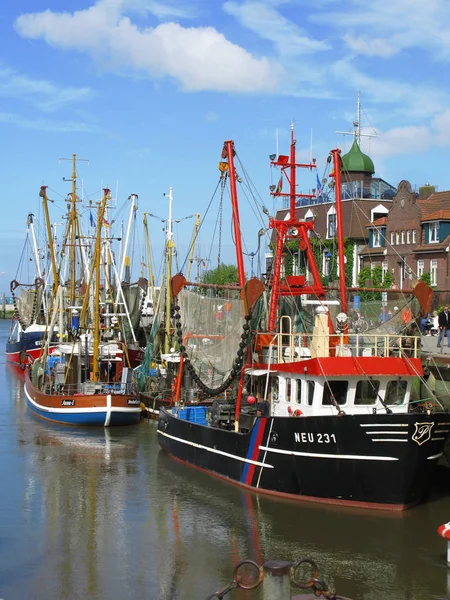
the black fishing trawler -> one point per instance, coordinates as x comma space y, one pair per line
323, 414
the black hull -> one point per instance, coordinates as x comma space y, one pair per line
381, 461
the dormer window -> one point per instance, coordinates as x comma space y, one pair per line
376, 238
434, 232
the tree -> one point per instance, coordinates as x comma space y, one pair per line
221, 275
426, 277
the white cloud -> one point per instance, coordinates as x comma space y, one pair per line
42, 93
198, 58
386, 27
271, 25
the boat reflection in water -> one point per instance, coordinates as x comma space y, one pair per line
102, 513
364, 554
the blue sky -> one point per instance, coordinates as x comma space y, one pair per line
148, 90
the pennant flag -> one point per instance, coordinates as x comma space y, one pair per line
279, 186
91, 219
106, 223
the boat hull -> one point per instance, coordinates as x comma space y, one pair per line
379, 461
104, 410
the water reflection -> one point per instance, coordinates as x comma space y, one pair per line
104, 514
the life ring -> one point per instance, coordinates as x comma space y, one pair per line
297, 413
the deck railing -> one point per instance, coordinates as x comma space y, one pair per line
294, 347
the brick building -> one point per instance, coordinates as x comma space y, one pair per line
413, 239
365, 198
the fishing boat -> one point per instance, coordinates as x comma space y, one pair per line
30, 304
86, 378
307, 410
157, 376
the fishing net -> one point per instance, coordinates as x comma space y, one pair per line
212, 325
27, 303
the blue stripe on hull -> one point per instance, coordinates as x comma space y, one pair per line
88, 418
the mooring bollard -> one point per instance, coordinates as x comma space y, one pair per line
277, 580
444, 532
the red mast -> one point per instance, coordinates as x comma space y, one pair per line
291, 228
336, 153
228, 152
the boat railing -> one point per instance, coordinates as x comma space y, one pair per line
91, 388
294, 347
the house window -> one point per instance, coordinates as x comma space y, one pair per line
326, 263
376, 238
420, 268
414, 236
331, 225
392, 238
403, 237
408, 237
434, 233
433, 272
384, 269
397, 238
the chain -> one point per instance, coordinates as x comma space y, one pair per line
237, 363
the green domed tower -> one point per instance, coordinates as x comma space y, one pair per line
356, 161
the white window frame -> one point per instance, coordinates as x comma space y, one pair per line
397, 238
420, 268
408, 237
433, 232
392, 238
325, 262
376, 238
331, 211
384, 269
433, 272
403, 237
414, 236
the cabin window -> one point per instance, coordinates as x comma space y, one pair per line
274, 389
311, 388
288, 389
395, 392
366, 392
339, 390
299, 392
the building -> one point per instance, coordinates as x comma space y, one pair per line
365, 198
412, 240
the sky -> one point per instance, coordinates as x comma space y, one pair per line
149, 90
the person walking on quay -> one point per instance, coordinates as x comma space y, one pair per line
444, 326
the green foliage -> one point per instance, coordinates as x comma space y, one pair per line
426, 277
375, 277
221, 275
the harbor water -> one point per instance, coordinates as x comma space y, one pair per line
104, 514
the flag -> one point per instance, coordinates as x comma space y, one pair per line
319, 186
91, 219
105, 223
279, 186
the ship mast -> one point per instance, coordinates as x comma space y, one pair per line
169, 250
291, 228
336, 154
228, 151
